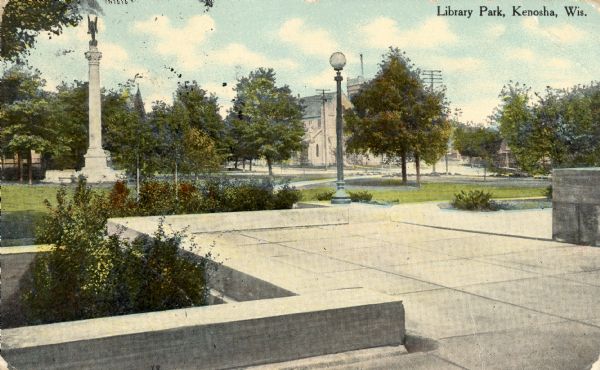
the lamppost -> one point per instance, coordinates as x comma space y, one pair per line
338, 61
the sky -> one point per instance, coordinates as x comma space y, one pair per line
170, 41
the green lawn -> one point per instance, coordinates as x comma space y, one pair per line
16, 198
436, 192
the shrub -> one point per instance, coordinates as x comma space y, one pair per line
286, 197
325, 195
120, 201
211, 195
360, 196
548, 192
474, 200
91, 274
156, 198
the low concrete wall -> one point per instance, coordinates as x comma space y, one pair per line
576, 205
223, 336
15, 263
255, 220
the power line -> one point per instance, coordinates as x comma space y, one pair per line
432, 76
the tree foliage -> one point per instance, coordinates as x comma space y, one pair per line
266, 120
479, 141
24, 112
69, 119
203, 111
129, 137
558, 128
91, 274
396, 116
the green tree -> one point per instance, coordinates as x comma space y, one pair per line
69, 119
479, 142
517, 121
271, 116
558, 129
394, 115
203, 111
128, 135
24, 116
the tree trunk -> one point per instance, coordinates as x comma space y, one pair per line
446, 163
403, 159
250, 164
20, 167
418, 168
3, 4
270, 165
30, 167
484, 171
235, 164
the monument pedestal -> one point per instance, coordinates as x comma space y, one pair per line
97, 169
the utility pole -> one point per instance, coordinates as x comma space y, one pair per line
323, 101
434, 76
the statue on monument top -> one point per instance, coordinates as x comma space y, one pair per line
93, 30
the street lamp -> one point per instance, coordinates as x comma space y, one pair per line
338, 61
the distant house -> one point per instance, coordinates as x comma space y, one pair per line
15, 167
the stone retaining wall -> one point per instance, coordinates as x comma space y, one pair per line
213, 337
576, 205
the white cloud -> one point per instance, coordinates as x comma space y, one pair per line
237, 54
113, 56
459, 64
224, 93
563, 34
477, 110
520, 54
324, 79
310, 40
495, 31
181, 42
559, 63
383, 32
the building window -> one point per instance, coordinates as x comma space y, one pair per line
317, 149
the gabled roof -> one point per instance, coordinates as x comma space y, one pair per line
313, 104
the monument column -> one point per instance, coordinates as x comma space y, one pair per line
95, 116
96, 168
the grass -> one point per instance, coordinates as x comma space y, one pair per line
437, 192
23, 205
18, 198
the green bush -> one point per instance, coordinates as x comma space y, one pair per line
474, 200
325, 195
208, 196
360, 196
91, 274
548, 192
286, 197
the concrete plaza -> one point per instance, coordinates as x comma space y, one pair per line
481, 290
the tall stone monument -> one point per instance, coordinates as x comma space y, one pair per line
96, 168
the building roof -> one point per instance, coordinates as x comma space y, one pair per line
313, 104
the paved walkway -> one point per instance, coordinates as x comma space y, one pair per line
481, 291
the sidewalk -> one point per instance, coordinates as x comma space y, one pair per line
486, 300
481, 290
